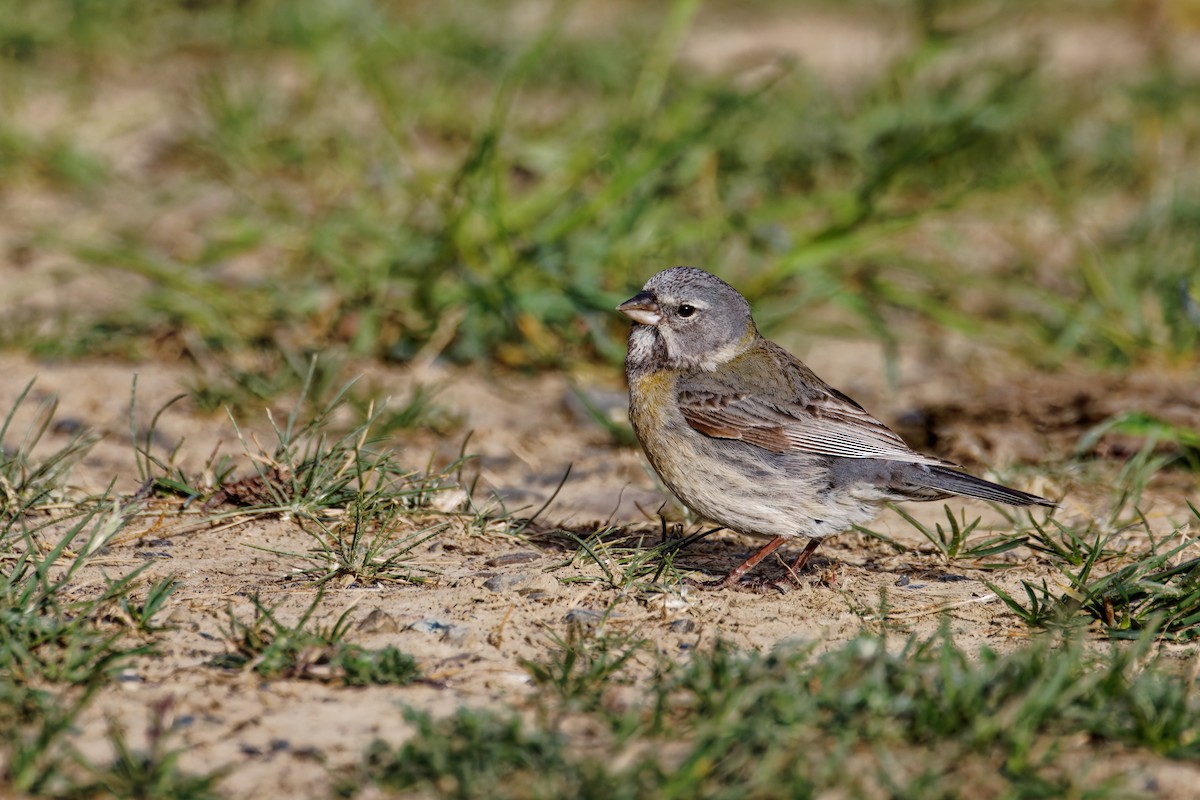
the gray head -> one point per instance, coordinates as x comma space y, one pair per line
687, 318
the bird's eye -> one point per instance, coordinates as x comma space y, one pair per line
686, 311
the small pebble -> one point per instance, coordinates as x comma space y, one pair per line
460, 634
585, 617
524, 557
379, 621
68, 426
504, 583
541, 585
523, 582
684, 625
430, 626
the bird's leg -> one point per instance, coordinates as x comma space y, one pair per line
736, 575
802, 559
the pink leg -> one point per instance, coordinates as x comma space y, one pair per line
802, 559
736, 575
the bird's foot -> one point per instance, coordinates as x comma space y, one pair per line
716, 585
753, 585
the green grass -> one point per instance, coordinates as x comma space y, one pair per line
274, 649
873, 716
30, 478
153, 772
57, 652
951, 542
848, 717
1101, 581
450, 183
582, 667
364, 511
65, 639
1158, 590
628, 561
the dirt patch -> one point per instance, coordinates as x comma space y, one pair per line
1006, 421
492, 598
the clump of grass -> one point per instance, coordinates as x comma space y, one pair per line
166, 477
310, 471
1148, 591
1156, 592
1062, 544
47, 638
29, 479
360, 507
430, 210
37, 725
582, 666
950, 542
56, 161
924, 718
372, 542
153, 772
56, 652
352, 497
308, 651
474, 754
142, 614
623, 562
626, 562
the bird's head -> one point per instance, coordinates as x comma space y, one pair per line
687, 318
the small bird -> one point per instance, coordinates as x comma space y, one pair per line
749, 437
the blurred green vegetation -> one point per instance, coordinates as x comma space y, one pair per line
484, 181
862, 719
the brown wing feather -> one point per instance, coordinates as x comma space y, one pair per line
731, 424
812, 417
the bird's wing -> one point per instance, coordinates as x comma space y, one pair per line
829, 424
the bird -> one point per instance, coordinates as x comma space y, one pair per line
747, 436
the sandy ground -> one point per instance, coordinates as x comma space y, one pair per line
492, 598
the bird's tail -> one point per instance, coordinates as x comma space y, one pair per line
951, 480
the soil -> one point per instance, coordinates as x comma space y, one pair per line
492, 599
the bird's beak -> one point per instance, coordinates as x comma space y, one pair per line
642, 308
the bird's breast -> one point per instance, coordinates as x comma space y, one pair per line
652, 402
